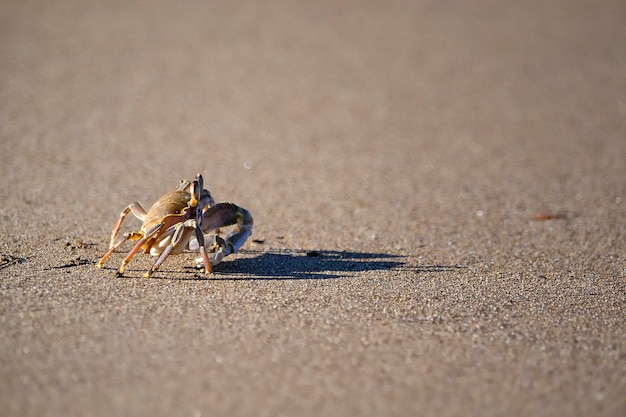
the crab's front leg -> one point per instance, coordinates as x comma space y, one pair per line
208, 268
179, 239
222, 215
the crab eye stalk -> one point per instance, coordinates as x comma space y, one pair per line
200, 181
196, 192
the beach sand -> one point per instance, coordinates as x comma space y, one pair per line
438, 192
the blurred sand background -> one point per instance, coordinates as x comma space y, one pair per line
438, 188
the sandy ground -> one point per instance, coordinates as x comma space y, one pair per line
438, 189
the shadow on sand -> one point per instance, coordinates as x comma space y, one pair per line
303, 264
279, 264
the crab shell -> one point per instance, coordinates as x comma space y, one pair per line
171, 209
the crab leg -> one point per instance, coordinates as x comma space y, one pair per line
208, 268
149, 235
166, 252
127, 236
179, 236
137, 210
200, 198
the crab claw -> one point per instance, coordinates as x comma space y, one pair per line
222, 215
218, 249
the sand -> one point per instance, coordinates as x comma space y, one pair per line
438, 191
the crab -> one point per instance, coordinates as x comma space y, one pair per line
187, 218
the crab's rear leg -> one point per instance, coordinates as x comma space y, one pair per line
137, 210
222, 215
127, 236
150, 233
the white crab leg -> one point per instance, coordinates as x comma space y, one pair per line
208, 267
179, 239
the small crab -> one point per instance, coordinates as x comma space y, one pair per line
180, 220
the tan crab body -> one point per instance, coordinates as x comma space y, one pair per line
168, 210
179, 220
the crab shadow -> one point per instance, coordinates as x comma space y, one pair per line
299, 264
302, 264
